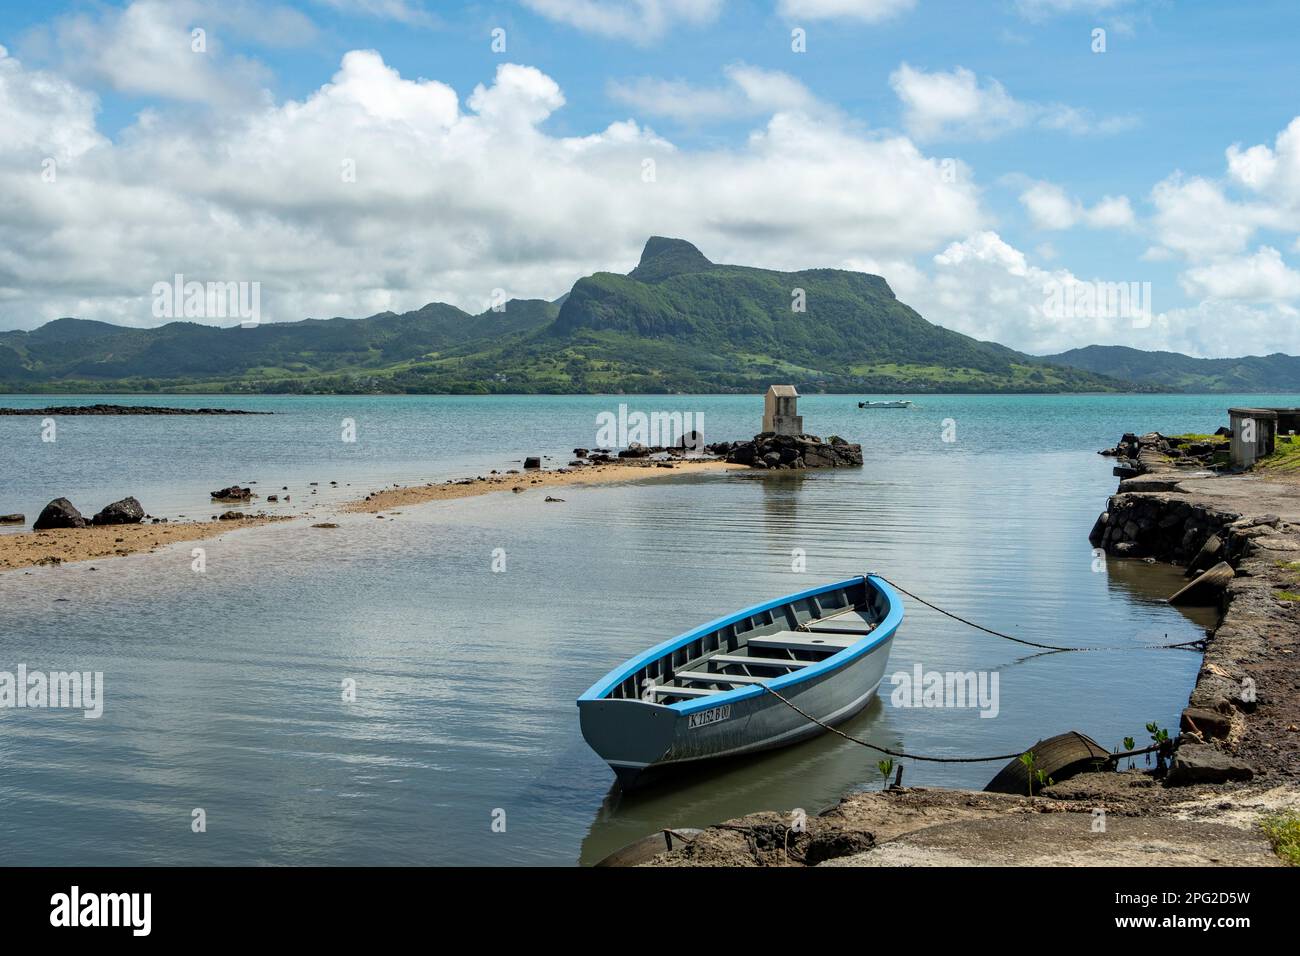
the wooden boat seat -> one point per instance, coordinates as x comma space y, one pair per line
803, 641
704, 677
848, 622
662, 690
723, 660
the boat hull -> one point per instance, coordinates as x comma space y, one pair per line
640, 740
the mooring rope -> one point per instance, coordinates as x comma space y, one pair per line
906, 756
1019, 640
987, 630
884, 750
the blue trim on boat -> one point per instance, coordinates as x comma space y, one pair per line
883, 632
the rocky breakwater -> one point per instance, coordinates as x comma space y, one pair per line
1238, 536
1150, 516
782, 452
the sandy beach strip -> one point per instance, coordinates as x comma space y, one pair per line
62, 545
623, 470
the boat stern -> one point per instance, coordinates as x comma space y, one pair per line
629, 735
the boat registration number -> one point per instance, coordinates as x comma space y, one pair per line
706, 717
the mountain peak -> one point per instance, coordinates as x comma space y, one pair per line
663, 257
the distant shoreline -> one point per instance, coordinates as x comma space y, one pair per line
6, 390
101, 409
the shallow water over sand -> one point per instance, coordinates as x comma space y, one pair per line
224, 688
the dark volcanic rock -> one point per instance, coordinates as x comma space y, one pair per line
13, 519
233, 493
533, 462
59, 513
126, 511
769, 450
1201, 763
742, 453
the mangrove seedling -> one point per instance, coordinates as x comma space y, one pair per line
886, 767
1027, 758
1036, 776
1159, 737
1130, 744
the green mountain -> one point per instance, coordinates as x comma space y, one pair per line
677, 322
1173, 371
70, 353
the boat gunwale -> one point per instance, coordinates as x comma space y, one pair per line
881, 633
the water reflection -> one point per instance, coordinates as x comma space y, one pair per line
814, 775
810, 776
226, 683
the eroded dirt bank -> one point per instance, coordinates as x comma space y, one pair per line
1116, 819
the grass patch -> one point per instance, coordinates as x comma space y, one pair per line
1194, 437
1219, 452
1286, 595
1285, 457
1283, 831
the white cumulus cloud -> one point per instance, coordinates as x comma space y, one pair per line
1051, 207
376, 191
749, 91
1262, 276
867, 11
956, 104
641, 21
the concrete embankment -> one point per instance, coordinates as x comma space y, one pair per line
1236, 757
1243, 717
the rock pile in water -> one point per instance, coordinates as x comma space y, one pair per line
1136, 454
771, 451
234, 493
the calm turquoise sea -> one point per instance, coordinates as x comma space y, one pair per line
223, 688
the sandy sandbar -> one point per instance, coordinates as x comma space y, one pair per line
60, 546
624, 470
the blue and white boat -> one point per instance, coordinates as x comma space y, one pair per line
704, 694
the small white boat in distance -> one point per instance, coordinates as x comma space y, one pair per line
898, 404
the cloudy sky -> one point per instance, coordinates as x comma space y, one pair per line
360, 155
